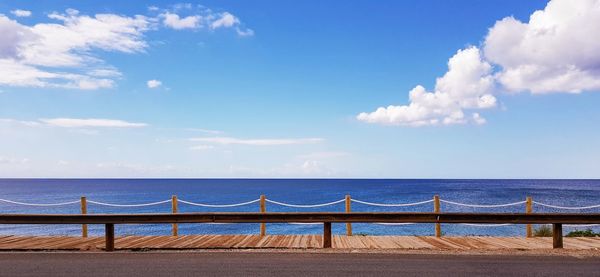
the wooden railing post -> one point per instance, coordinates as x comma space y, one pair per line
174, 210
436, 209
528, 210
109, 236
263, 209
84, 227
348, 209
326, 234
557, 238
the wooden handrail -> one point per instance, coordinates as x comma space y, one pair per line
314, 217
556, 219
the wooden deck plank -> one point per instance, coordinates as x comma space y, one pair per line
289, 241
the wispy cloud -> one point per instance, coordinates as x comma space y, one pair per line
7, 160
257, 142
63, 53
21, 13
154, 84
90, 123
207, 131
201, 147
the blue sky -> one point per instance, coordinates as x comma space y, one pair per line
292, 89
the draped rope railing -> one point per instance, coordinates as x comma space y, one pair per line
218, 205
129, 205
391, 205
304, 206
566, 208
482, 206
348, 200
38, 204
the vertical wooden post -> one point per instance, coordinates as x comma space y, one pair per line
436, 209
263, 209
84, 227
326, 234
348, 209
174, 209
528, 210
557, 238
109, 236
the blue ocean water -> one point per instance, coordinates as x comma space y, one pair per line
294, 191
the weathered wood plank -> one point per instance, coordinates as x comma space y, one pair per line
291, 241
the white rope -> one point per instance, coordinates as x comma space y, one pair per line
391, 205
305, 223
217, 205
566, 208
40, 205
482, 206
304, 206
486, 225
129, 205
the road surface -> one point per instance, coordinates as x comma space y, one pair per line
175, 264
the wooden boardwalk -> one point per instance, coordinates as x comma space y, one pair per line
289, 242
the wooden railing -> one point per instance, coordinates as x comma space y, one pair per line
327, 218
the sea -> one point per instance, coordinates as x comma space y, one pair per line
566, 193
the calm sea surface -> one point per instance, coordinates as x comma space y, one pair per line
293, 191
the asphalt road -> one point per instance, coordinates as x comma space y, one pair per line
177, 264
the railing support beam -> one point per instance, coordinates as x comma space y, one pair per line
348, 209
174, 227
326, 234
84, 227
557, 237
109, 237
528, 210
436, 209
263, 209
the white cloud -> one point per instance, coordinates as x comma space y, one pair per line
256, 142
153, 83
201, 147
63, 53
174, 21
59, 54
323, 155
21, 13
6, 160
558, 50
244, 33
207, 131
204, 18
90, 123
20, 122
467, 85
225, 20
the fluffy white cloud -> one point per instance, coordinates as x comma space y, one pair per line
21, 13
54, 54
467, 85
153, 83
205, 18
558, 50
64, 53
256, 142
90, 123
174, 21
225, 20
